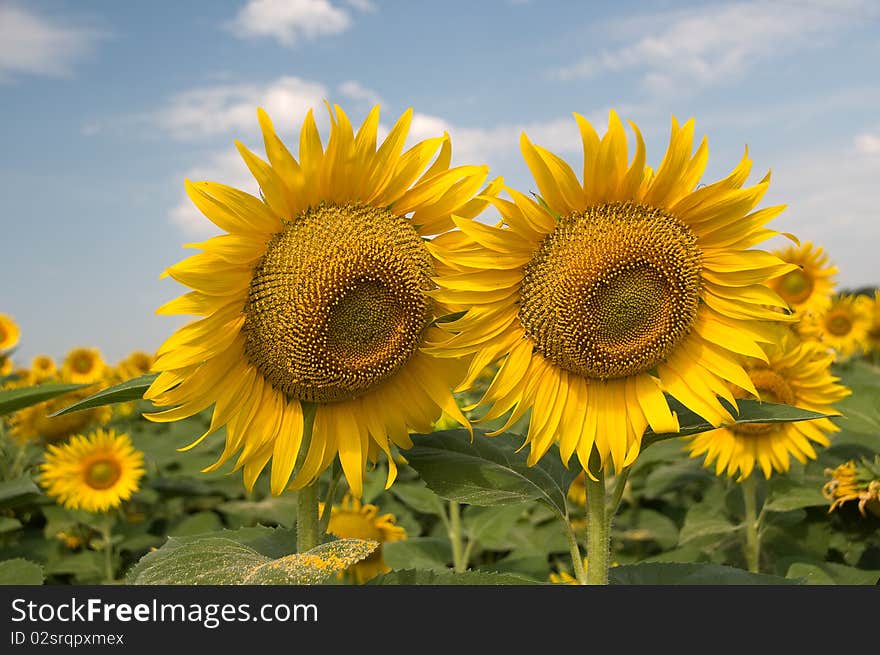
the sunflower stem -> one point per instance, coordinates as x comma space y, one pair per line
577, 562
753, 541
459, 563
308, 529
597, 530
106, 529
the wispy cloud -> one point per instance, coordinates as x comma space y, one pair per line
291, 22
359, 94
705, 45
31, 44
868, 144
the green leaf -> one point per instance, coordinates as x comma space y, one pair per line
416, 577
488, 471
20, 571
645, 524
18, 491
198, 523
8, 524
417, 496
223, 561
12, 400
829, 573
491, 526
418, 553
750, 411
272, 509
787, 495
669, 573
704, 520
129, 390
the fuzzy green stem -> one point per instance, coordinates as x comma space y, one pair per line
753, 541
308, 533
577, 562
597, 530
459, 563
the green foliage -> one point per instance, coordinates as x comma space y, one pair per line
12, 400
127, 391
20, 571
690, 574
417, 577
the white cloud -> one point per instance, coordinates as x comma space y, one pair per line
365, 6
358, 93
868, 144
214, 110
705, 45
35, 45
290, 21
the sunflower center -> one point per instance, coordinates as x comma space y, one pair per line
839, 325
103, 473
795, 287
338, 304
82, 364
773, 389
612, 290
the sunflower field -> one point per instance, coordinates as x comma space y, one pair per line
403, 372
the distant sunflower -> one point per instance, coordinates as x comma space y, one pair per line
84, 366
43, 367
855, 481
138, 363
797, 373
874, 331
844, 326
610, 291
352, 519
317, 300
808, 288
94, 473
9, 332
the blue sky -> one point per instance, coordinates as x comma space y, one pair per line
107, 106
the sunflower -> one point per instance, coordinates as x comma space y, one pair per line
6, 364
844, 326
83, 366
94, 473
138, 363
852, 481
807, 289
42, 368
874, 330
352, 519
796, 373
9, 332
316, 302
604, 294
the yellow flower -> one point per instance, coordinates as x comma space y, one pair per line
70, 540
317, 301
138, 363
798, 374
5, 365
83, 366
94, 473
851, 481
844, 326
577, 492
351, 519
9, 332
33, 423
611, 291
42, 368
874, 331
807, 289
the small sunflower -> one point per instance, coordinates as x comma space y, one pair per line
797, 373
43, 367
844, 326
807, 289
94, 473
138, 363
84, 366
855, 481
317, 302
9, 332
352, 519
874, 330
611, 290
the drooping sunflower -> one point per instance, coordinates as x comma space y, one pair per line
844, 326
94, 473
855, 481
611, 290
9, 332
355, 520
84, 366
43, 367
317, 301
807, 289
797, 373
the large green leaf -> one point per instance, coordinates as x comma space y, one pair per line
488, 471
223, 561
787, 495
750, 411
12, 400
669, 573
418, 553
415, 577
704, 520
20, 571
829, 573
17, 492
129, 390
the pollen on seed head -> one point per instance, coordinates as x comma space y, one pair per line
338, 303
612, 290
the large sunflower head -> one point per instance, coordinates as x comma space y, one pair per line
84, 366
796, 373
844, 326
316, 302
611, 289
355, 520
808, 288
9, 332
94, 473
